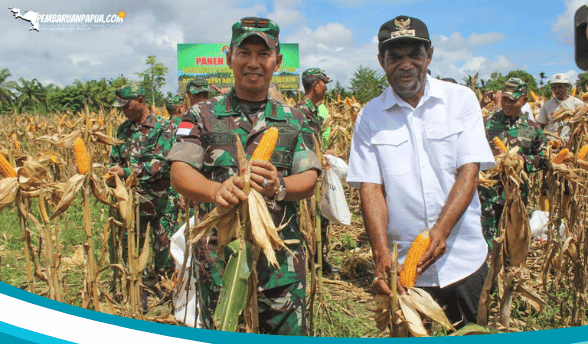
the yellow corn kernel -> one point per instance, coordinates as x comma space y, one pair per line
560, 157
574, 90
348, 101
266, 146
53, 159
338, 98
100, 121
417, 250
6, 170
498, 142
533, 95
582, 152
81, 156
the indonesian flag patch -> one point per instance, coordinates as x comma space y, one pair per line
185, 128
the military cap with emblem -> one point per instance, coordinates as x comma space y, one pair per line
262, 27
403, 28
514, 88
316, 72
127, 92
197, 85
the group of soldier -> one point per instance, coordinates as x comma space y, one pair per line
415, 157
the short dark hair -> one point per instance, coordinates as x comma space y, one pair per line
308, 82
382, 48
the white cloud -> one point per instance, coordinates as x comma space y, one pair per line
486, 38
80, 58
563, 28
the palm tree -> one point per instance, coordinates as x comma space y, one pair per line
31, 95
6, 87
95, 94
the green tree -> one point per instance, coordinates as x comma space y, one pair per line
31, 96
153, 80
335, 91
6, 90
582, 83
367, 84
541, 77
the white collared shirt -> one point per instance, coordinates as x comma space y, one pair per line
415, 153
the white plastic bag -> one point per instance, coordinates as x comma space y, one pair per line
538, 224
333, 203
185, 300
338, 165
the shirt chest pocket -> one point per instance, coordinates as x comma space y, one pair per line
394, 151
441, 144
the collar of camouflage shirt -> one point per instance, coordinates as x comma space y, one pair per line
229, 106
149, 121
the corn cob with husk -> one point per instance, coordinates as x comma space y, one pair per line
6, 169
416, 251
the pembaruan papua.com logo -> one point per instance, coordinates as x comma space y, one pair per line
36, 18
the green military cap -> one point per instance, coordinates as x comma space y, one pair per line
128, 92
316, 72
403, 28
514, 88
175, 100
262, 27
197, 85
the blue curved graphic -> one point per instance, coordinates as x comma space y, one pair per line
12, 334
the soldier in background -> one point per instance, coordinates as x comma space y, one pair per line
514, 128
314, 82
197, 91
148, 139
175, 107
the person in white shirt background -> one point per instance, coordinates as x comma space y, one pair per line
560, 84
415, 156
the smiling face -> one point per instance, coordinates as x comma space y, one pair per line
405, 64
560, 91
253, 64
512, 107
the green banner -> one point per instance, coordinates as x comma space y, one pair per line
209, 60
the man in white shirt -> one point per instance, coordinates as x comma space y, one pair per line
561, 100
415, 156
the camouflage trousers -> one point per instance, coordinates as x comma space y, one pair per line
282, 310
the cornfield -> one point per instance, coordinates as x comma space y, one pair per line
46, 183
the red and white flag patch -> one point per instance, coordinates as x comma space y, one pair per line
185, 128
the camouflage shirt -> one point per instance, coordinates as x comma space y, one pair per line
144, 150
519, 131
314, 121
206, 140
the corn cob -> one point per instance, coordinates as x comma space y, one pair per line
498, 142
348, 101
6, 170
533, 95
266, 146
417, 250
353, 98
574, 90
582, 152
338, 98
560, 157
81, 156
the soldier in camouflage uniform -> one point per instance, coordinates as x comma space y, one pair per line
147, 141
175, 107
197, 90
314, 82
514, 128
204, 169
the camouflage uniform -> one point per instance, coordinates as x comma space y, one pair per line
144, 150
519, 131
206, 141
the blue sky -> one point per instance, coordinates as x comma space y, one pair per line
469, 37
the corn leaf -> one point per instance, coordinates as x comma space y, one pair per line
233, 292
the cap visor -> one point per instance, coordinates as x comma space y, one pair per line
120, 102
259, 34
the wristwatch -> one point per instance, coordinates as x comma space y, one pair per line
281, 191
